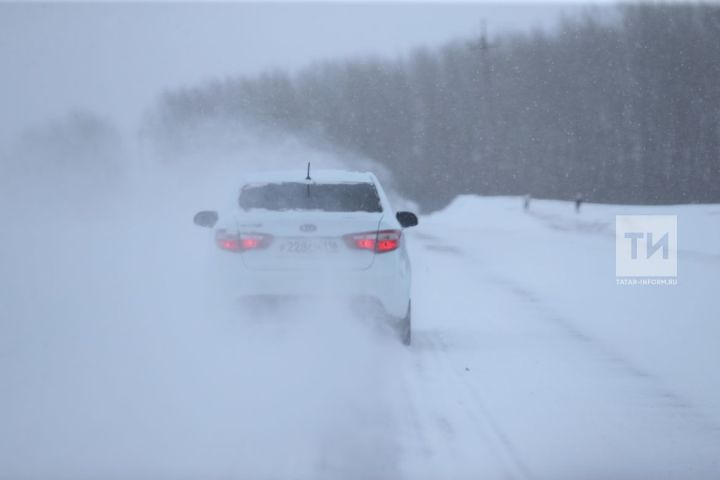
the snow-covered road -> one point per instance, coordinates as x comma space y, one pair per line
528, 361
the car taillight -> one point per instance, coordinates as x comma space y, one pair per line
379, 242
241, 242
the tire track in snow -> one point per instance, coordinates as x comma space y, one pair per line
484, 420
665, 397
653, 385
458, 416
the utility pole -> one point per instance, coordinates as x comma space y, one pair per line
486, 116
483, 46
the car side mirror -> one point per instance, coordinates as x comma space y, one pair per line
206, 218
406, 219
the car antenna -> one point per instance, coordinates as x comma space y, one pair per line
308, 178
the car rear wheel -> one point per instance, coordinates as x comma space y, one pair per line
405, 329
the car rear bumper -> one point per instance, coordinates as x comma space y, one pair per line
388, 287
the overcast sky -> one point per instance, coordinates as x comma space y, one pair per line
113, 59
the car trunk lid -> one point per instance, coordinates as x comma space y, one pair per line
307, 240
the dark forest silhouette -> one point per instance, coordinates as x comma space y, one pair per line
624, 111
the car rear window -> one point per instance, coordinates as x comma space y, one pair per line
328, 197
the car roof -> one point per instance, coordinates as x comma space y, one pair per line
316, 175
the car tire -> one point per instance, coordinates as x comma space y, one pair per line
405, 327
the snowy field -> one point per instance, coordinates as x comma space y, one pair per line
119, 361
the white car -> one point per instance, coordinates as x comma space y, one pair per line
331, 233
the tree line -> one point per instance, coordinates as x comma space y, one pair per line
624, 109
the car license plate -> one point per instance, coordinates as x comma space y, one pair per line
309, 246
